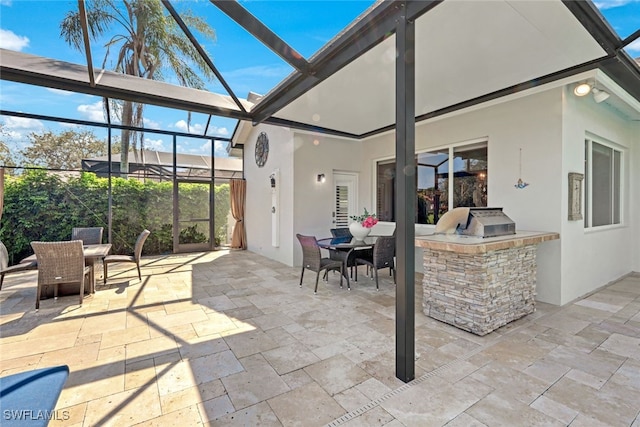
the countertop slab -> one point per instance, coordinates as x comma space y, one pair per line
479, 245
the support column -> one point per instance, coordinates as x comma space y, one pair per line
405, 197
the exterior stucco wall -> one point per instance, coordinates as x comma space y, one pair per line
549, 127
313, 201
533, 124
258, 202
594, 257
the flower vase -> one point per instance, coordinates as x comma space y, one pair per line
358, 231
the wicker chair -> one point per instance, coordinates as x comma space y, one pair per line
347, 256
135, 258
6, 269
60, 263
88, 235
312, 259
382, 257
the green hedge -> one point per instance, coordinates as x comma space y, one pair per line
39, 205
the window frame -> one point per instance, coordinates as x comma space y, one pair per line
451, 153
589, 140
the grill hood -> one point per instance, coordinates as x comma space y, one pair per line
476, 222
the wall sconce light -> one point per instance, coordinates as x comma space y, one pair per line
599, 95
321, 178
582, 89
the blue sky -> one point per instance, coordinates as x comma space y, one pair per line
32, 27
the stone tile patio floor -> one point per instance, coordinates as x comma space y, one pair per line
228, 338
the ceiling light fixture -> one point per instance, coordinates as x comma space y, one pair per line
600, 95
582, 89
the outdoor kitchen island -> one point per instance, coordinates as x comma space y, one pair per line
480, 283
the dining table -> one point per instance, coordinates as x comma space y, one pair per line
347, 245
92, 254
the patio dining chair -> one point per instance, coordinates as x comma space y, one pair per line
88, 235
135, 258
5, 268
60, 263
312, 259
382, 256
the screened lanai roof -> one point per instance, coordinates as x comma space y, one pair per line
160, 164
467, 53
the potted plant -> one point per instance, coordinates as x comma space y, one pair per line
361, 227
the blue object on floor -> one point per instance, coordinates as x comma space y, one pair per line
29, 398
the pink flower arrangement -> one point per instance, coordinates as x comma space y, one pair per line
367, 220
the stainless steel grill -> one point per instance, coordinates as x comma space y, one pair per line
476, 222
488, 222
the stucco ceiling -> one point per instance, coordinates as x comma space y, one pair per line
464, 50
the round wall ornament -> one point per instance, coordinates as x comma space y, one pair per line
262, 149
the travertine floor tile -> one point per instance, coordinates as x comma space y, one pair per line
34, 346
372, 418
351, 399
76, 357
554, 409
290, 358
433, 403
176, 376
373, 389
126, 408
511, 382
227, 338
189, 416
92, 382
73, 415
256, 415
258, 382
628, 374
308, 405
500, 409
336, 374
465, 420
104, 322
151, 348
622, 345
124, 336
248, 343
613, 408
139, 373
183, 398
215, 408
202, 346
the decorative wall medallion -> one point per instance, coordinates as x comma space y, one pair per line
262, 149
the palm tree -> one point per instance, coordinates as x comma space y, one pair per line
149, 45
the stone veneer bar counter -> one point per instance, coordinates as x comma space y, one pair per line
480, 284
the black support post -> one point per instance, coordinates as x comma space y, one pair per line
405, 198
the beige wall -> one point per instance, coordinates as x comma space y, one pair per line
313, 201
258, 212
548, 126
533, 123
594, 257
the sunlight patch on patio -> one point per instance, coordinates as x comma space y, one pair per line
228, 338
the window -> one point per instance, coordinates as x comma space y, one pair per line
603, 173
435, 191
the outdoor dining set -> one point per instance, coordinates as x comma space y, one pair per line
70, 263
346, 253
